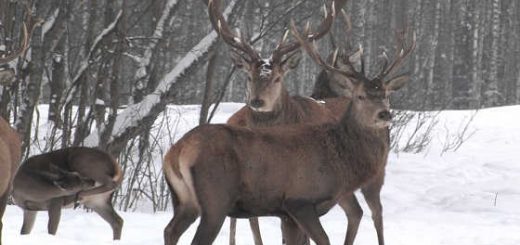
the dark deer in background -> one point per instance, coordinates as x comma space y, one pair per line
66, 177
297, 171
331, 84
268, 101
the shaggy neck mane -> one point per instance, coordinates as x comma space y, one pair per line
288, 110
358, 148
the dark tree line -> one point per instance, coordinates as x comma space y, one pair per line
108, 69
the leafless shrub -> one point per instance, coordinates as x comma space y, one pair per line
454, 141
144, 186
412, 131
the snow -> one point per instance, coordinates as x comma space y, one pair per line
469, 196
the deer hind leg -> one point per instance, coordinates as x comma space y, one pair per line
214, 207
54, 215
372, 194
184, 216
3, 204
29, 217
102, 205
306, 217
292, 234
210, 224
354, 213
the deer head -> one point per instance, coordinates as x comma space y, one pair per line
370, 96
265, 75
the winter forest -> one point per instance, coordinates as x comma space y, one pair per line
109, 74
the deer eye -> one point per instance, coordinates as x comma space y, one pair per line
361, 97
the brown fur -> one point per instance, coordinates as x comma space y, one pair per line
292, 110
372, 190
299, 171
10, 153
91, 176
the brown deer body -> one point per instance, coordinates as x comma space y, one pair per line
299, 171
328, 87
10, 153
268, 102
63, 177
325, 90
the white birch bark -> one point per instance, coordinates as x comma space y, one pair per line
134, 114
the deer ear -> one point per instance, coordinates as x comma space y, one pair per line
239, 60
355, 58
397, 83
292, 60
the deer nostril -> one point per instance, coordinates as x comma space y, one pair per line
385, 115
257, 103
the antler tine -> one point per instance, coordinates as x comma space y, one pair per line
323, 29
222, 28
312, 51
401, 53
21, 50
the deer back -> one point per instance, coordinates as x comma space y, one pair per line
293, 110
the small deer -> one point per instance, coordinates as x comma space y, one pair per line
329, 86
299, 172
268, 101
66, 177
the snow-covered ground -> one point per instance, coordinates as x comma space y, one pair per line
471, 196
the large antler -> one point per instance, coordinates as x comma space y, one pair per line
23, 46
314, 54
330, 14
27, 27
222, 28
401, 53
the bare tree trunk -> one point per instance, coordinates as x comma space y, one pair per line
492, 96
476, 55
31, 88
430, 85
208, 89
461, 69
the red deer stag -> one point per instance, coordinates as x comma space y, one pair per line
66, 177
299, 171
10, 153
268, 101
10, 144
331, 85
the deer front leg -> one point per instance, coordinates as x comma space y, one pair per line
54, 215
372, 194
29, 217
350, 206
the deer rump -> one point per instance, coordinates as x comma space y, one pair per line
255, 173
